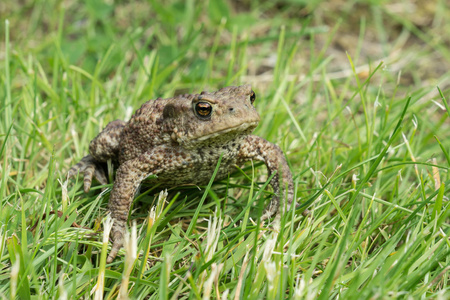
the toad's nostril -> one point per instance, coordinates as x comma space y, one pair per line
231, 109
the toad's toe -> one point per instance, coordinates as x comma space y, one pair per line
90, 168
117, 234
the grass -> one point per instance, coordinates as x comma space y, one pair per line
349, 92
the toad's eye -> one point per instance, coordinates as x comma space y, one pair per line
252, 97
203, 110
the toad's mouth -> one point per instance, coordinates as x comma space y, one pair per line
243, 128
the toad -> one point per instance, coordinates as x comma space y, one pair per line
180, 140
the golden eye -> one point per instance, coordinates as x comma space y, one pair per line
203, 109
252, 97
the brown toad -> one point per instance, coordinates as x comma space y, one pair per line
180, 141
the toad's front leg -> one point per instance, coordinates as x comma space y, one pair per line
257, 148
129, 176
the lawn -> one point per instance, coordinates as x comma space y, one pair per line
356, 93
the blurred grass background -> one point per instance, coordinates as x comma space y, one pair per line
332, 78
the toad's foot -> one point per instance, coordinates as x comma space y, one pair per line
271, 210
118, 232
274, 207
90, 168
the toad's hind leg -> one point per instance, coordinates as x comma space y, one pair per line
105, 146
90, 168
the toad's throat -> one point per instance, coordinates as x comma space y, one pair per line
243, 128
216, 137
